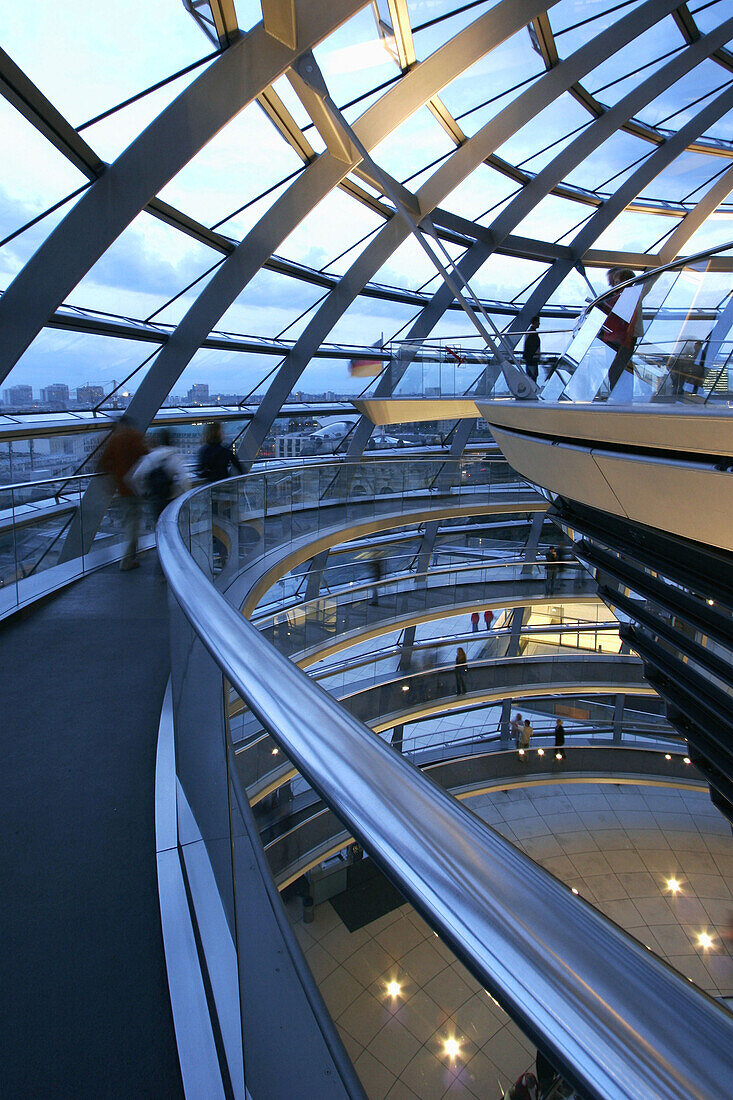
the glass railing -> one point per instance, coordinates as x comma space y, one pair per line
350, 563
297, 828
594, 1000
369, 669
238, 522
306, 624
663, 337
35, 519
50, 532
404, 697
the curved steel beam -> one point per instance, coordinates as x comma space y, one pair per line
163, 148
441, 183
660, 159
692, 221
574, 154
397, 104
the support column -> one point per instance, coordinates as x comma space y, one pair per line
530, 557
315, 574
618, 719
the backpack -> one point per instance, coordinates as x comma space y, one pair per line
159, 483
525, 1088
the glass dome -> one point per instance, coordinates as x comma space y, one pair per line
170, 191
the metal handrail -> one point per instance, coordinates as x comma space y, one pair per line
589, 995
50, 481
292, 602
375, 656
654, 272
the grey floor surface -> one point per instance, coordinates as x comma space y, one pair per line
85, 1001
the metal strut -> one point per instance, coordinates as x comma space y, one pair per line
520, 385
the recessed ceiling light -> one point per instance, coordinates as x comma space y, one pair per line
540, 752
667, 756
704, 941
452, 1048
687, 760
393, 989
275, 751
673, 885
575, 890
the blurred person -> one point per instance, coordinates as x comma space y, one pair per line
461, 669
428, 661
474, 622
619, 334
559, 738
531, 350
376, 569
123, 450
516, 728
160, 476
686, 368
214, 459
524, 1088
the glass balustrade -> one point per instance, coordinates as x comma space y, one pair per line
664, 337
349, 775
234, 524
302, 625
36, 518
372, 668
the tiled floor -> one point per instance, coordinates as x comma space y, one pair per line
617, 845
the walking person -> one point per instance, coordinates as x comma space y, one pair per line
619, 334
559, 740
160, 476
531, 350
461, 667
376, 571
526, 735
214, 459
123, 450
474, 622
488, 618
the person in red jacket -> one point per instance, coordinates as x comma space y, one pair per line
474, 622
488, 618
619, 334
122, 451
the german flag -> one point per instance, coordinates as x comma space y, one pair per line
365, 367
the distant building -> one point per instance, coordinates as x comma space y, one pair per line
56, 395
198, 394
19, 396
89, 395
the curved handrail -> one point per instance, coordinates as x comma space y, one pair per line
654, 272
376, 656
584, 991
407, 576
